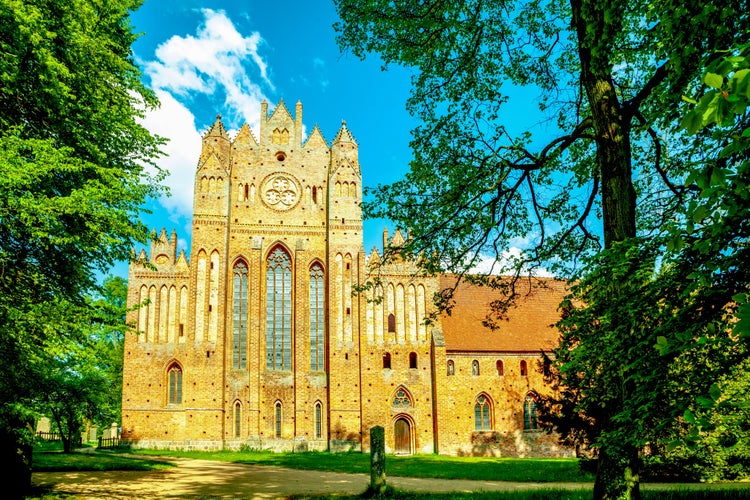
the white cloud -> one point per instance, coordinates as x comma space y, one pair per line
219, 63
175, 121
504, 264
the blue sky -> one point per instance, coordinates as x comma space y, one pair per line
204, 58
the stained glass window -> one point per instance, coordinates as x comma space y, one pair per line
401, 399
175, 385
482, 414
239, 318
529, 412
317, 320
279, 311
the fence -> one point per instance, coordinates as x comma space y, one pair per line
108, 443
48, 436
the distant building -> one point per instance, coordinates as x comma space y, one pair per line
256, 339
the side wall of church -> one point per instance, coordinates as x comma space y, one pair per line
488, 406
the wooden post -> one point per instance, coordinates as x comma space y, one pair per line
377, 459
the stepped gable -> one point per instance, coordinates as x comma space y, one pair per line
528, 327
316, 139
279, 110
374, 258
217, 130
344, 135
245, 134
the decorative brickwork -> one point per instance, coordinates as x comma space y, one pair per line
258, 340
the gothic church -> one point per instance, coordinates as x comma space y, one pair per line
255, 339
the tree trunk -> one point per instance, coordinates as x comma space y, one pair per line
617, 472
617, 477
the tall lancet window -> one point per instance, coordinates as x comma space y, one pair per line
317, 321
239, 318
279, 311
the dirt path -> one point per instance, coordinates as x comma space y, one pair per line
210, 479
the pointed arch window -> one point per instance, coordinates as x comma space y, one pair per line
317, 319
174, 396
451, 368
318, 420
237, 419
482, 412
387, 360
239, 318
500, 367
277, 419
401, 399
529, 412
391, 323
278, 311
524, 369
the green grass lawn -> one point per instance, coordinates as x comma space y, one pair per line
548, 494
428, 466
436, 466
92, 461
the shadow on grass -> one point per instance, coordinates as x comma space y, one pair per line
425, 466
94, 461
545, 494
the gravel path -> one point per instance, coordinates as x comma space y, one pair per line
210, 479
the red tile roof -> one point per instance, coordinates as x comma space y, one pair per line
527, 327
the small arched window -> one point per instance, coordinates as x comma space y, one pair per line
482, 412
475, 367
277, 419
237, 419
391, 323
175, 385
451, 368
412, 360
387, 360
524, 370
529, 412
318, 420
500, 368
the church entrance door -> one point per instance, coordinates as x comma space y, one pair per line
402, 430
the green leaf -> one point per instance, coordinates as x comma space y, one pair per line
689, 416
717, 177
705, 402
693, 122
715, 392
713, 80
700, 213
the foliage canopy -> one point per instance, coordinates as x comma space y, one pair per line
600, 200
74, 177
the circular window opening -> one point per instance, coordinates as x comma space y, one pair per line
280, 156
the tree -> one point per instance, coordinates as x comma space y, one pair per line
82, 377
73, 159
610, 76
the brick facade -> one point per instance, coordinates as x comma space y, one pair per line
257, 338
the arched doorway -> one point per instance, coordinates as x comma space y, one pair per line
402, 432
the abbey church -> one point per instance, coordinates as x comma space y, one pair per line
257, 338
